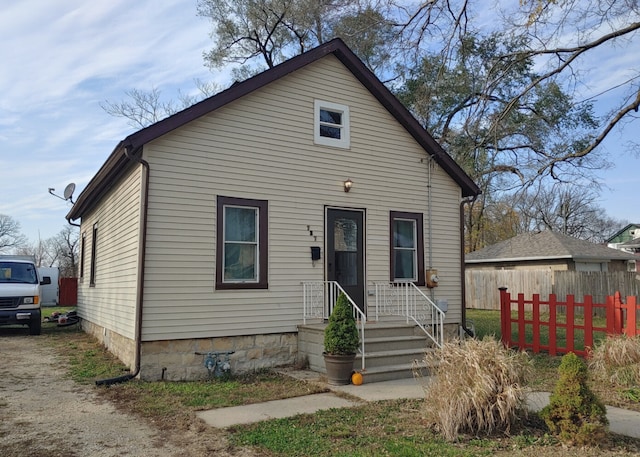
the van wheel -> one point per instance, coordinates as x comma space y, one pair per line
35, 327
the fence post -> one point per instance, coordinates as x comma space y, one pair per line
522, 341
588, 322
552, 324
630, 328
505, 317
536, 323
617, 316
570, 322
611, 311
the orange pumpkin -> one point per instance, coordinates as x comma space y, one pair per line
356, 378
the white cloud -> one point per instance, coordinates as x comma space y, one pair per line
66, 57
62, 58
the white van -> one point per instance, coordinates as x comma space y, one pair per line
20, 293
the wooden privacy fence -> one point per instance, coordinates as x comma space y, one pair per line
481, 286
555, 326
68, 291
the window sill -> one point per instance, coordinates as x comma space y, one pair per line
241, 286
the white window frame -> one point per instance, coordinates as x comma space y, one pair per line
418, 248
345, 137
413, 249
256, 244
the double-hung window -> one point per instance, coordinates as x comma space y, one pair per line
241, 260
406, 247
94, 248
331, 124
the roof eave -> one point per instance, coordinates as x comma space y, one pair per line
100, 183
115, 164
517, 259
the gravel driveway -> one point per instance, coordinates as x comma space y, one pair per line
44, 414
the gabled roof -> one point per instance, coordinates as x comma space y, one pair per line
622, 230
131, 145
545, 245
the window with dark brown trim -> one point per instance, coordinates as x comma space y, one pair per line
94, 245
241, 243
82, 253
406, 247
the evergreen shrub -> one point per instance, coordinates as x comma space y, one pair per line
341, 335
574, 413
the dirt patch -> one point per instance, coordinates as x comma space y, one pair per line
44, 414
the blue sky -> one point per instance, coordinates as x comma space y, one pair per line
62, 59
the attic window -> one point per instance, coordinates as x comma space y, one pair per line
331, 124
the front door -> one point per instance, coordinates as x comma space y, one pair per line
345, 252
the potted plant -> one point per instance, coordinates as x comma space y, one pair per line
341, 341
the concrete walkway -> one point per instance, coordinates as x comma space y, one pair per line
621, 421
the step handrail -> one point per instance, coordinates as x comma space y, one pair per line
404, 298
319, 299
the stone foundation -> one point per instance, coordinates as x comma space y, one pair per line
183, 360
123, 348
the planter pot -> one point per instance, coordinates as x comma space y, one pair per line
339, 368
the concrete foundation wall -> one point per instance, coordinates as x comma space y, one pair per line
177, 360
183, 360
123, 348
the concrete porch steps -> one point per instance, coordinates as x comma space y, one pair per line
391, 372
392, 350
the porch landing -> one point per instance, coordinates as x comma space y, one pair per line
392, 350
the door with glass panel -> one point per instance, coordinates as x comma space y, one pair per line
345, 252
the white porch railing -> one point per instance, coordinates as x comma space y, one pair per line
407, 300
320, 298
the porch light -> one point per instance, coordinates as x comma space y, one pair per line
348, 184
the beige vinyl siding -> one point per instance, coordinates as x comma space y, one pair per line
111, 302
261, 147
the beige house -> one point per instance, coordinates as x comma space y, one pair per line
224, 228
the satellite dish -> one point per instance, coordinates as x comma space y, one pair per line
68, 192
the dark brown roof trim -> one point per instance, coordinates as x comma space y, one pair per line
102, 180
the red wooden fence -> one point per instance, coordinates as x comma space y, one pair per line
68, 291
531, 327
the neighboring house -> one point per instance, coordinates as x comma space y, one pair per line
626, 239
551, 251
198, 231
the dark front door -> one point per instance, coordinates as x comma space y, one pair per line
345, 252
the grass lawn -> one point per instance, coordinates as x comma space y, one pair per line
487, 322
379, 428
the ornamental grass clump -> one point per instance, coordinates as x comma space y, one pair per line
617, 359
477, 387
341, 335
574, 413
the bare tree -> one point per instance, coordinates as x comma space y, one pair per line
65, 248
143, 108
39, 251
568, 209
10, 235
59, 251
